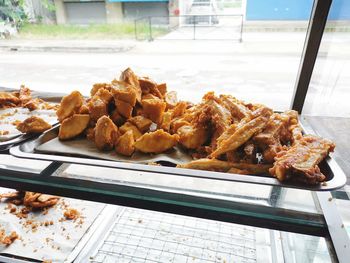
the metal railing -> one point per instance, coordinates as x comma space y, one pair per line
189, 27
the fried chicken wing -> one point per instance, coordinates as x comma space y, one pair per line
156, 142
70, 104
106, 133
33, 124
73, 126
125, 144
301, 160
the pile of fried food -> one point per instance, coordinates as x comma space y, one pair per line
24, 99
221, 133
31, 199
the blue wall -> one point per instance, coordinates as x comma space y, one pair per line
293, 10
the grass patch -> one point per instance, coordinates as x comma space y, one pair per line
93, 31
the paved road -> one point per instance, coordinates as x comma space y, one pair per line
255, 70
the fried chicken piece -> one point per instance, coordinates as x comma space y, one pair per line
125, 144
156, 142
70, 104
171, 99
73, 126
237, 109
38, 200
239, 134
24, 94
130, 78
97, 109
84, 109
33, 124
124, 108
192, 137
104, 95
141, 122
149, 86
129, 126
90, 134
166, 122
96, 87
106, 133
162, 88
154, 109
8, 98
301, 161
124, 92
117, 118
11, 195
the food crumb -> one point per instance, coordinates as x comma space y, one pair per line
71, 214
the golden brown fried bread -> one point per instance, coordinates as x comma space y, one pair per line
70, 104
128, 126
73, 126
125, 144
192, 137
33, 124
106, 133
154, 109
156, 142
142, 123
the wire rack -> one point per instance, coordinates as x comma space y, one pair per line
146, 236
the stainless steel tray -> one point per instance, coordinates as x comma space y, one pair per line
335, 176
5, 145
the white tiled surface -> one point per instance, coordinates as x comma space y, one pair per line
146, 236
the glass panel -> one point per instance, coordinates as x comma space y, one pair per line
18, 164
293, 199
98, 40
329, 90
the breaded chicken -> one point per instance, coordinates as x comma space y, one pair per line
156, 142
192, 137
73, 126
125, 144
33, 124
106, 133
142, 123
154, 109
70, 104
127, 127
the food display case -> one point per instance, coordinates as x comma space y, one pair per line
150, 213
